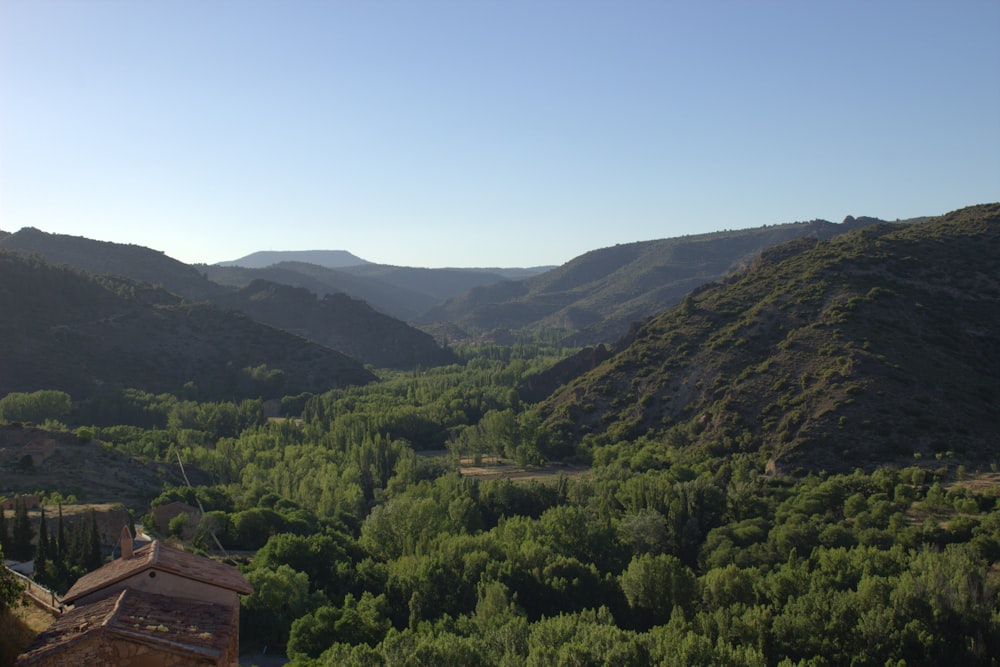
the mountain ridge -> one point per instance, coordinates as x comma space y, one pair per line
331, 259
104, 257
827, 354
80, 333
594, 297
318, 321
340, 322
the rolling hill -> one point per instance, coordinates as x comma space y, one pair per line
877, 345
399, 291
401, 302
69, 330
102, 257
596, 296
339, 322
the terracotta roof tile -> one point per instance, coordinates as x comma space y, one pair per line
157, 555
170, 624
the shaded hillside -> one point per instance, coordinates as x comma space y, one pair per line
441, 284
69, 330
878, 345
101, 257
339, 322
331, 259
595, 297
35, 458
399, 302
402, 292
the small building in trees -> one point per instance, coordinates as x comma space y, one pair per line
31, 502
164, 514
156, 606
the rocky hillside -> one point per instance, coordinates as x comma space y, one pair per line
877, 345
35, 458
339, 322
68, 330
595, 297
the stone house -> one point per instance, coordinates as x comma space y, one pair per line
164, 514
154, 607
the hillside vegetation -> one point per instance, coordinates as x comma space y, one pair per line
339, 322
83, 334
594, 297
402, 302
877, 345
102, 257
399, 291
795, 466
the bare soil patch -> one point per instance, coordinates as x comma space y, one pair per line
508, 470
979, 482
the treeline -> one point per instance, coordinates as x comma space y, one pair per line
61, 553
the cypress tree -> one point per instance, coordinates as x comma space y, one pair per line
94, 558
61, 545
22, 532
43, 556
61, 559
77, 547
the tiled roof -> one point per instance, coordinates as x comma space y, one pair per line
157, 555
173, 625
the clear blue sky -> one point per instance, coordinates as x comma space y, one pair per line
486, 133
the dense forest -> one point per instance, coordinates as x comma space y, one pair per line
366, 545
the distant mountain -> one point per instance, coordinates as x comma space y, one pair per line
68, 330
375, 332
102, 257
403, 292
401, 302
442, 284
331, 259
340, 322
594, 297
879, 345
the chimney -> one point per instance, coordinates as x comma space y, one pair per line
126, 540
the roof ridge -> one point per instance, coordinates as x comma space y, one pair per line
115, 610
